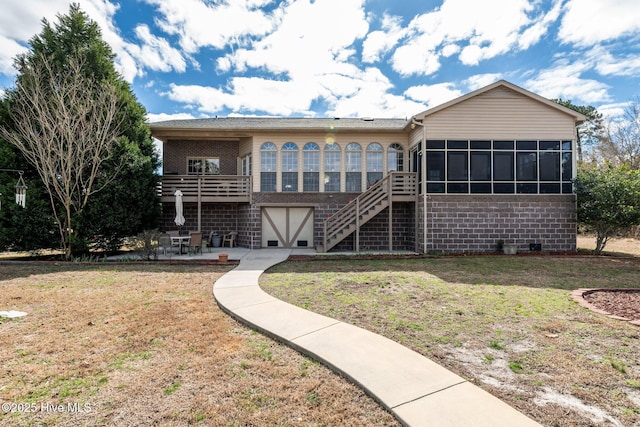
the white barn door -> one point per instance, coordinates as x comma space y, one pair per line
287, 227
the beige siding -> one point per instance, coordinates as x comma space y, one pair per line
245, 146
415, 137
500, 114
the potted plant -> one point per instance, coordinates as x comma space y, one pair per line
510, 248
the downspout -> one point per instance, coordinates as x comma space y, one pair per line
423, 180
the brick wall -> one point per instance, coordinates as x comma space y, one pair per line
221, 218
374, 235
455, 223
467, 223
175, 153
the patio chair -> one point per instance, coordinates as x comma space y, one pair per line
230, 238
206, 241
195, 243
164, 243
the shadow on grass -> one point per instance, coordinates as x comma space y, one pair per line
556, 272
15, 269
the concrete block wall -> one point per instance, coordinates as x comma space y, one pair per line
467, 223
455, 223
374, 235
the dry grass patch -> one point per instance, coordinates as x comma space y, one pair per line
147, 345
507, 324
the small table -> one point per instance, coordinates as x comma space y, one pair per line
180, 241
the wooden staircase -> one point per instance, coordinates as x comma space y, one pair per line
397, 186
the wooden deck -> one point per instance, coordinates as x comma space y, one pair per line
210, 188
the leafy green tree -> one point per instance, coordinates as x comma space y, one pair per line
99, 146
608, 200
591, 132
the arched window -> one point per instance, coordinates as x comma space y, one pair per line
353, 163
268, 152
289, 167
311, 167
332, 166
374, 163
395, 158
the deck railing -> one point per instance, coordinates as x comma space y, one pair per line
210, 188
397, 186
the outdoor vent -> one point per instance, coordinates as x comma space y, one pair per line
535, 246
272, 243
303, 243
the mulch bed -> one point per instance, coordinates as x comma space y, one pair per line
622, 304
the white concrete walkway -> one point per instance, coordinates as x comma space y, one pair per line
416, 390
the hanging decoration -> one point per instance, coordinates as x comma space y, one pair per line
21, 192
21, 188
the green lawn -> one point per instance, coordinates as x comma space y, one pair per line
505, 323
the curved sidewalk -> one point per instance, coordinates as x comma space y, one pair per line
416, 390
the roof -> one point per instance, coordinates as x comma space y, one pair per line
280, 123
503, 83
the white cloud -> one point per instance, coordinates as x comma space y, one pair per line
481, 80
588, 22
310, 40
21, 20
201, 24
364, 93
370, 97
154, 118
540, 27
613, 111
156, 53
607, 64
308, 57
9, 50
380, 42
247, 94
479, 30
564, 81
433, 95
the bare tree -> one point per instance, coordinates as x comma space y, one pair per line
64, 123
622, 145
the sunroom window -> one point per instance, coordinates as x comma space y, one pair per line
395, 158
311, 167
500, 166
374, 163
353, 160
332, 155
289, 167
268, 165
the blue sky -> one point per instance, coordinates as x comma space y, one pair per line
350, 58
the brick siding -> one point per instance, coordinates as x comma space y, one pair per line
476, 223
455, 223
175, 155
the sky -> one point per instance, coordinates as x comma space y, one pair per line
349, 58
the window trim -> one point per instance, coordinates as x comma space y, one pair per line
203, 160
